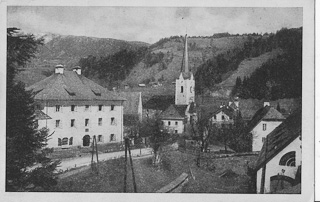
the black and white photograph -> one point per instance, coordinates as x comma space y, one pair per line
169, 99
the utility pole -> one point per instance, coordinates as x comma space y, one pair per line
131, 163
94, 150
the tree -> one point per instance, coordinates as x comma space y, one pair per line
157, 134
23, 140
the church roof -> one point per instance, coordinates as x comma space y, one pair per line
159, 102
174, 112
70, 86
279, 138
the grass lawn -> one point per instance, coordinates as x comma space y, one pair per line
150, 179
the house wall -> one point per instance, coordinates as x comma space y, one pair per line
219, 119
258, 133
79, 130
175, 125
273, 167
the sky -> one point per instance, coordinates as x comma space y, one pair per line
149, 24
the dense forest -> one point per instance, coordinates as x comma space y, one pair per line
114, 67
277, 78
280, 77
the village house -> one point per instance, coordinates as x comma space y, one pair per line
75, 109
223, 117
279, 163
262, 123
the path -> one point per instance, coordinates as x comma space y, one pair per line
67, 164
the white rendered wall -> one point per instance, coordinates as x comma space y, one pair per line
219, 118
258, 133
78, 131
187, 95
172, 127
273, 167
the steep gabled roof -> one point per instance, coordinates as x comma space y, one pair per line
131, 105
39, 115
174, 112
225, 109
159, 102
266, 113
279, 138
70, 86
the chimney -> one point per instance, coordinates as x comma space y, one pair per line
266, 104
77, 69
59, 69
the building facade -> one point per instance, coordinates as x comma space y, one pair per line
79, 109
280, 159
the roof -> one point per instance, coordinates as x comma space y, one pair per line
225, 109
131, 105
279, 138
70, 86
174, 112
186, 75
266, 113
39, 115
159, 102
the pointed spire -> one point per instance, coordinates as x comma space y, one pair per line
186, 68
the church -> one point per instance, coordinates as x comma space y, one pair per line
177, 115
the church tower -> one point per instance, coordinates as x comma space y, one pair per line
185, 83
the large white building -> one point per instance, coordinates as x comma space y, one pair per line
77, 109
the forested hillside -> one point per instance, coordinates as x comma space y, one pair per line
280, 77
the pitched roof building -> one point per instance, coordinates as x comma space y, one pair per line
262, 123
79, 109
280, 156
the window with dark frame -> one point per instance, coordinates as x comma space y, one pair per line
70, 140
72, 122
264, 126
87, 107
181, 89
64, 141
100, 121
100, 138
100, 107
112, 137
112, 107
176, 122
113, 121
57, 123
86, 122
58, 108
73, 108
59, 141
169, 123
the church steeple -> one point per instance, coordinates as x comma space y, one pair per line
184, 64
185, 55
185, 83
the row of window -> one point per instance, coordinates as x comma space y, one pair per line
86, 108
169, 123
181, 90
85, 140
86, 122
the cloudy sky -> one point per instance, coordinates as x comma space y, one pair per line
149, 24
